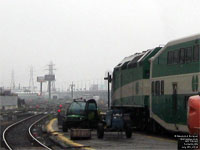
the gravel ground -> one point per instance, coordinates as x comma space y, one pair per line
118, 141
4, 124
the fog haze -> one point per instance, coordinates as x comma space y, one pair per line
85, 38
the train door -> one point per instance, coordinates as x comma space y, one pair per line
175, 104
174, 97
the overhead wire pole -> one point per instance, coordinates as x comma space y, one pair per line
49, 88
109, 78
40, 88
41, 79
51, 69
31, 82
50, 77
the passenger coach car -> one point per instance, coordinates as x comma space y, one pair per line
154, 86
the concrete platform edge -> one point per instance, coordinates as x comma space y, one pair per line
60, 137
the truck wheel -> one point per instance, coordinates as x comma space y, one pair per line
100, 130
64, 127
128, 132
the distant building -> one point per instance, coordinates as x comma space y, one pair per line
28, 95
94, 87
8, 100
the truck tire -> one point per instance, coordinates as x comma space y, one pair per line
64, 127
128, 132
100, 130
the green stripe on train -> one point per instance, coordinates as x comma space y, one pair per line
140, 101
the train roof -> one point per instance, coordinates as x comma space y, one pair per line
174, 42
147, 53
135, 58
127, 59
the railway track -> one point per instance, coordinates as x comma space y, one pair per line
19, 136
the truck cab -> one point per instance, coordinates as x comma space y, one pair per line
81, 114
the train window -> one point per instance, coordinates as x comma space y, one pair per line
170, 57
124, 66
147, 73
196, 53
176, 57
152, 88
188, 54
157, 88
162, 87
133, 63
182, 55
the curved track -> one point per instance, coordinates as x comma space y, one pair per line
19, 136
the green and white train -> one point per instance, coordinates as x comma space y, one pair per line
154, 86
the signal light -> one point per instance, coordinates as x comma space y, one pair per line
59, 110
60, 105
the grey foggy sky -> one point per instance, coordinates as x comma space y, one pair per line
84, 38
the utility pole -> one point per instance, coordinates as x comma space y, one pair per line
31, 82
51, 69
40, 88
72, 89
40, 79
49, 88
50, 78
109, 78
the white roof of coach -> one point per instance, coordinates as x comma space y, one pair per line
174, 42
145, 54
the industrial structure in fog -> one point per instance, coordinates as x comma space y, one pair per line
8, 100
50, 78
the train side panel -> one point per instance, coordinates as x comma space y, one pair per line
175, 76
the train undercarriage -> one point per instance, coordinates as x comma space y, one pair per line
141, 121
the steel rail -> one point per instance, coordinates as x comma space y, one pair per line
29, 130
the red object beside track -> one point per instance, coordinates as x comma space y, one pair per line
194, 114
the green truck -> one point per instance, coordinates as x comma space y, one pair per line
81, 114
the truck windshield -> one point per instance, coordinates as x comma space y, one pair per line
77, 108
